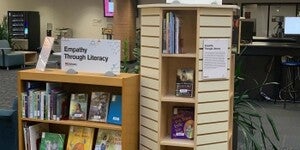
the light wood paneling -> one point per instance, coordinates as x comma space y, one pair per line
150, 21
149, 133
148, 113
212, 138
213, 96
150, 72
212, 128
215, 21
215, 32
149, 93
150, 52
213, 86
214, 146
213, 107
142, 147
151, 83
215, 12
150, 41
150, 62
151, 124
150, 31
153, 104
212, 117
150, 11
148, 143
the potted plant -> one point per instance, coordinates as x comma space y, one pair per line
248, 120
4, 29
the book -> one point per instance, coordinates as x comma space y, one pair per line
78, 106
80, 138
185, 82
108, 140
115, 110
99, 106
35, 134
52, 141
182, 126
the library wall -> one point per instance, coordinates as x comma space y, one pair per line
85, 18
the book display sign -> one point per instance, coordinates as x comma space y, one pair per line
45, 52
91, 55
215, 52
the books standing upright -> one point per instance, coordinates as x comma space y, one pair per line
80, 138
99, 106
115, 110
78, 106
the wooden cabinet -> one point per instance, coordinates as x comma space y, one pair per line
212, 100
125, 84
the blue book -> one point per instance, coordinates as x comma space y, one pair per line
115, 110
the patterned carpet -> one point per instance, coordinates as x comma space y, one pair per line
8, 87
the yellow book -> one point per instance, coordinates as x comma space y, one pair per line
80, 138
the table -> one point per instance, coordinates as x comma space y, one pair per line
30, 57
271, 48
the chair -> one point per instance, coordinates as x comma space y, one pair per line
8, 58
9, 127
292, 66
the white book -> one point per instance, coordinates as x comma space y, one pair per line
35, 134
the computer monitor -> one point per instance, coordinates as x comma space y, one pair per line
292, 27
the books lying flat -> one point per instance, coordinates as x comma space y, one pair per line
108, 140
99, 106
80, 138
52, 141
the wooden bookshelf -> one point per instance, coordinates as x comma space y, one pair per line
212, 99
125, 84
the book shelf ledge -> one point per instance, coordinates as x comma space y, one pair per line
187, 55
77, 123
177, 142
173, 98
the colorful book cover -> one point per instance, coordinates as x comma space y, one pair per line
78, 106
182, 123
99, 106
115, 110
52, 141
80, 138
108, 140
35, 134
185, 82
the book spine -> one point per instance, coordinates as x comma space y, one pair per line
42, 105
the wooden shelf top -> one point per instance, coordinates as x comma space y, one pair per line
78, 123
57, 75
164, 5
177, 142
187, 55
173, 98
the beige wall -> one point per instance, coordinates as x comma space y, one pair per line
85, 17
